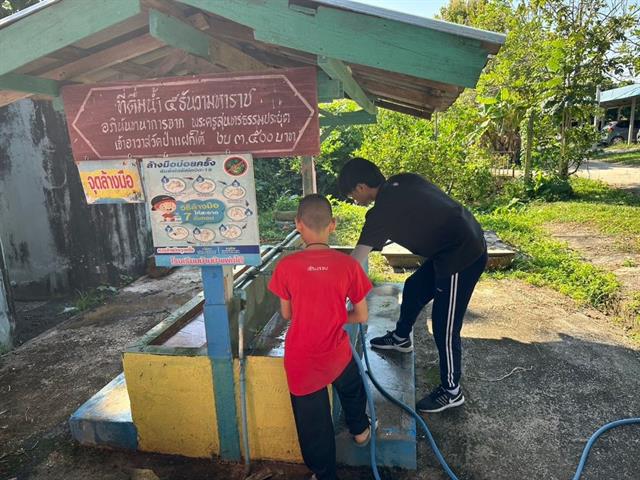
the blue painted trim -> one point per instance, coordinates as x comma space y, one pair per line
216, 324
226, 409
92, 425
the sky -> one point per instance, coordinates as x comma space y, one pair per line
423, 8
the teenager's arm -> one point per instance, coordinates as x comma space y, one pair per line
359, 314
361, 253
285, 309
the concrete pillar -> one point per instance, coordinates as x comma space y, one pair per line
308, 176
7, 318
632, 119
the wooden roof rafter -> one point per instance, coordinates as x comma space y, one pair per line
373, 56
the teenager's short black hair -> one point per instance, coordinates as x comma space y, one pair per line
358, 170
315, 212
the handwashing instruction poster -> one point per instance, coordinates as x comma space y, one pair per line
203, 210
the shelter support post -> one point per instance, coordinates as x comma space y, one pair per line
632, 120
217, 290
308, 176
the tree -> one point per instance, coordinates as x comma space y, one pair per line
556, 54
9, 7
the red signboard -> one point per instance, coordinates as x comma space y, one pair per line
269, 114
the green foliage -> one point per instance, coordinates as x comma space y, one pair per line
271, 232
400, 143
276, 178
287, 204
9, 7
280, 177
90, 299
337, 148
350, 219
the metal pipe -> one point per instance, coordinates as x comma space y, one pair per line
243, 382
266, 258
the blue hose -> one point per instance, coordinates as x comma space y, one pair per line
594, 437
423, 424
372, 409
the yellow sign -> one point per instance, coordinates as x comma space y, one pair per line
111, 181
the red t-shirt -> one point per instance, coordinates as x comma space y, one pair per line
317, 282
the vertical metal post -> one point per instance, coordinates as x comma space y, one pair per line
308, 172
632, 119
216, 323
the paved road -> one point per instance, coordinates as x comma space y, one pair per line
625, 176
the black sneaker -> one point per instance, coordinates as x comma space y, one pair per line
439, 400
391, 342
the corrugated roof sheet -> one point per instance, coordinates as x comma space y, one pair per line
622, 93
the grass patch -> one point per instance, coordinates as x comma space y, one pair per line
90, 299
546, 262
621, 156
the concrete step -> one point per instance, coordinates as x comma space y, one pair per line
396, 435
105, 419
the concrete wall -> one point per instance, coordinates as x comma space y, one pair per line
54, 242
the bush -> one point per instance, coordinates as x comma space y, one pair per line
287, 203
350, 218
400, 143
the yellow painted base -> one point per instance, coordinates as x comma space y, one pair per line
172, 404
173, 408
272, 430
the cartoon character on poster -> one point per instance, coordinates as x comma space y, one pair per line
166, 206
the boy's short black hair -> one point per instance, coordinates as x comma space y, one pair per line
315, 212
358, 170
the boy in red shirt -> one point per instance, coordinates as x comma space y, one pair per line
313, 286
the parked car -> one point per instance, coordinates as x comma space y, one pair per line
617, 131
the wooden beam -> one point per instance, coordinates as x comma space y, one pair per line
179, 34
171, 61
339, 71
382, 43
7, 97
359, 117
413, 111
106, 58
328, 88
29, 84
395, 93
232, 58
57, 26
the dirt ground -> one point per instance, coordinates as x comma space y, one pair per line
626, 177
541, 374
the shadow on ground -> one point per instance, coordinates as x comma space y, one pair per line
574, 371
